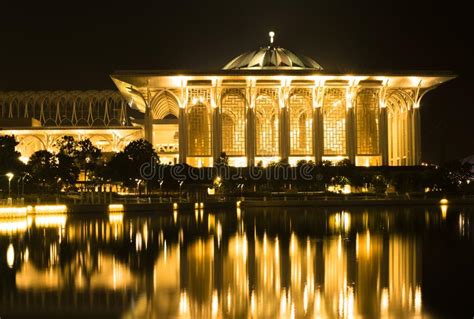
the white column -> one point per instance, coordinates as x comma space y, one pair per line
318, 134
250, 128
416, 131
216, 132
148, 124
182, 131
284, 133
383, 135
350, 134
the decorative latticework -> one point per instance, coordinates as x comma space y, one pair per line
267, 123
334, 121
165, 105
301, 122
233, 122
398, 105
367, 121
66, 108
199, 123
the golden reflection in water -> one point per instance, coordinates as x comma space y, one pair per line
352, 271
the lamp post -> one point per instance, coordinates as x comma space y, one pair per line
10, 177
180, 185
161, 191
23, 184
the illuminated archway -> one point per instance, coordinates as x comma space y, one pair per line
367, 114
334, 122
398, 107
233, 123
199, 130
267, 125
301, 122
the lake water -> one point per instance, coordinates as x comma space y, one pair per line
261, 263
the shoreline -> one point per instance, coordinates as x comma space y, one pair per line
166, 208
170, 207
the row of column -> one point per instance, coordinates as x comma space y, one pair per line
413, 140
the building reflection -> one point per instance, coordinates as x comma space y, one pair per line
338, 265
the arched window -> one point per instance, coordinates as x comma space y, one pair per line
267, 124
398, 144
301, 122
334, 121
367, 122
199, 130
233, 123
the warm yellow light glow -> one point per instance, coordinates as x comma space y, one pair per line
196, 205
49, 209
24, 159
240, 161
8, 226
418, 299
238, 204
175, 205
10, 256
444, 211
201, 205
384, 301
175, 216
54, 220
272, 35
183, 303
443, 201
215, 303
115, 207
116, 218
7, 212
10, 176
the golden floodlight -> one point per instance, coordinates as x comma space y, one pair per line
50, 209
14, 225
50, 220
116, 218
9, 212
115, 207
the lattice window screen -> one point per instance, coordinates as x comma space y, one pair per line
233, 122
367, 122
199, 123
267, 123
334, 121
301, 122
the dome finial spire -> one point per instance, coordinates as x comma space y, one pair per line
271, 34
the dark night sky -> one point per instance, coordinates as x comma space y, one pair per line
76, 45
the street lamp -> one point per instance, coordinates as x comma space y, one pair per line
138, 185
10, 177
23, 184
180, 185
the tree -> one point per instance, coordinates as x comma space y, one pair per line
118, 169
43, 167
9, 157
87, 157
380, 184
222, 160
128, 165
68, 171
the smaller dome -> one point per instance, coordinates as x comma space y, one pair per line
272, 58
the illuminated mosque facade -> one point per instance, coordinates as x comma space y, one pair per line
264, 106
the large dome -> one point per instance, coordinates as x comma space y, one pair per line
272, 58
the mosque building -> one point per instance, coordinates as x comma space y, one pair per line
263, 106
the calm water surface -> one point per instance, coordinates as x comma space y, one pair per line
260, 263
